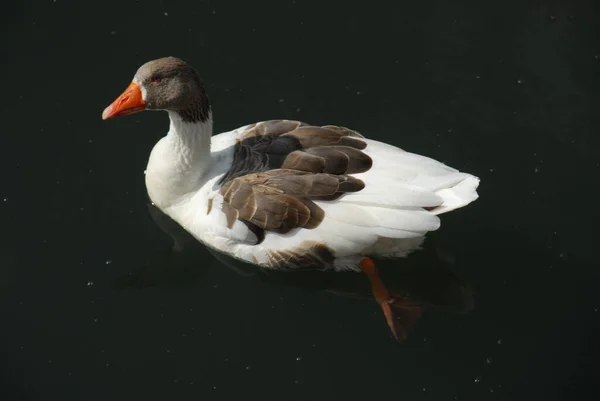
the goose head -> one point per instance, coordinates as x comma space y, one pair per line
166, 83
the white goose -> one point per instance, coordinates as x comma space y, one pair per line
284, 194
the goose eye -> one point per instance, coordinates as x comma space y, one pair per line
155, 79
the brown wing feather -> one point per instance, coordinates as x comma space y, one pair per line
304, 161
281, 166
307, 255
279, 200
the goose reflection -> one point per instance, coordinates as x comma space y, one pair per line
402, 288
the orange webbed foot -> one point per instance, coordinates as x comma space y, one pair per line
400, 313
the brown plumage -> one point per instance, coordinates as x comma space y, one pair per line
281, 166
307, 255
172, 83
279, 200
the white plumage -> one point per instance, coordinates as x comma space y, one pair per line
387, 198
387, 218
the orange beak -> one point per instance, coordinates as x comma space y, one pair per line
129, 102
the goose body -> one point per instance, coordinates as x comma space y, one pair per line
284, 194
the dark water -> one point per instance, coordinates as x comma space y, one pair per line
95, 304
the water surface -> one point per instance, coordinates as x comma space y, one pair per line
96, 305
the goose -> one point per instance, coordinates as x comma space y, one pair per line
284, 194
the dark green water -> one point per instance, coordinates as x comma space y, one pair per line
95, 305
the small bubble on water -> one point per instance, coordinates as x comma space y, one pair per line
281, 100
499, 342
536, 170
166, 14
112, 33
488, 360
476, 380
248, 367
95, 320
520, 81
90, 283
552, 18
108, 262
299, 358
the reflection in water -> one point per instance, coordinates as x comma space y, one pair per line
403, 288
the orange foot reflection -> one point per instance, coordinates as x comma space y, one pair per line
400, 313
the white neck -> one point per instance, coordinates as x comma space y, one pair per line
192, 140
179, 160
